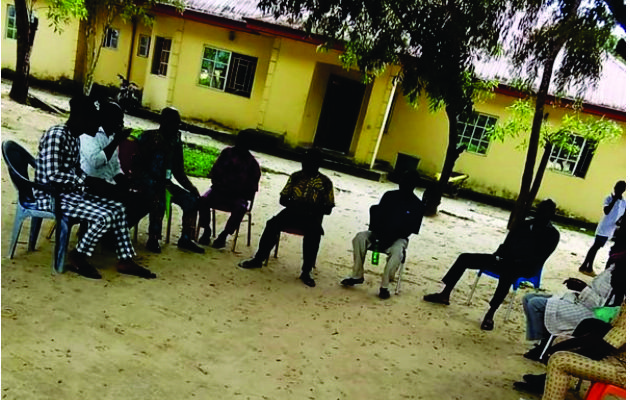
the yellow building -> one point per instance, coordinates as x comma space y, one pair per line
223, 61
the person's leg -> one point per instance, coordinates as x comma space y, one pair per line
310, 248
587, 265
238, 208
464, 261
563, 365
156, 203
360, 244
396, 253
204, 217
268, 239
534, 306
188, 202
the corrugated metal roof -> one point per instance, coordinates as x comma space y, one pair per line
610, 92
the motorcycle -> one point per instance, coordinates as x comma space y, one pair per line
128, 96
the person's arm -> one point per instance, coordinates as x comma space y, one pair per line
92, 154
178, 171
328, 198
254, 178
286, 194
609, 203
119, 137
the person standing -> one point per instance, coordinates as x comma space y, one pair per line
614, 209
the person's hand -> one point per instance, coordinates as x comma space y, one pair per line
575, 284
122, 134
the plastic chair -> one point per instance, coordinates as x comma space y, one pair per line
401, 269
600, 391
534, 280
18, 161
248, 213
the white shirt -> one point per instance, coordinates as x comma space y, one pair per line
607, 225
93, 159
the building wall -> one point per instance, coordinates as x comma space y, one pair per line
53, 54
423, 134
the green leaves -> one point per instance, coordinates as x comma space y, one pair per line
598, 129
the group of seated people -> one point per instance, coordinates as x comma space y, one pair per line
80, 160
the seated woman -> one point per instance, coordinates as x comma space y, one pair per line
554, 315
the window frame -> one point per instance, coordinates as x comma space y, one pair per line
147, 48
233, 65
157, 64
227, 67
11, 30
581, 160
107, 39
462, 133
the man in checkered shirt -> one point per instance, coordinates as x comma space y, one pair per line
58, 166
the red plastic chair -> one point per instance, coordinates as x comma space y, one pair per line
601, 391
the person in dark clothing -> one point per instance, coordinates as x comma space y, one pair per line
160, 156
235, 176
522, 255
307, 197
398, 215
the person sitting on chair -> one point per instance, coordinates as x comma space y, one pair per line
307, 197
58, 165
161, 155
235, 176
560, 315
522, 255
99, 155
398, 215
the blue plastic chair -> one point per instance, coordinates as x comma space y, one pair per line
534, 280
18, 161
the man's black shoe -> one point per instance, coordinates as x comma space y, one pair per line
218, 243
187, 244
204, 239
384, 294
352, 281
308, 281
250, 264
154, 246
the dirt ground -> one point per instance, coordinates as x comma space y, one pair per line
208, 329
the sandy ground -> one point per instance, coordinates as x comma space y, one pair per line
207, 329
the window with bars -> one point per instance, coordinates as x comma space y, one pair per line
11, 22
227, 71
110, 40
473, 133
144, 44
161, 53
573, 159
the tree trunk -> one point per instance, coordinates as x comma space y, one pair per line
25, 34
433, 194
521, 207
542, 167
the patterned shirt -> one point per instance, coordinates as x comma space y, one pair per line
93, 159
310, 190
236, 171
58, 164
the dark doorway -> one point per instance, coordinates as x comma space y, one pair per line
338, 119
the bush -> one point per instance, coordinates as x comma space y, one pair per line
198, 160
